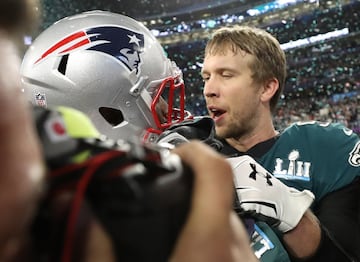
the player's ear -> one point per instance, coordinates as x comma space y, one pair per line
269, 89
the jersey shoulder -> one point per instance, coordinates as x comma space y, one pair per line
321, 131
335, 138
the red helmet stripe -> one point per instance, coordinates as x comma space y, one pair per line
62, 43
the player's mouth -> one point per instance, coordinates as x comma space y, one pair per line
216, 113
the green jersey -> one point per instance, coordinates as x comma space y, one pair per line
311, 155
319, 157
266, 244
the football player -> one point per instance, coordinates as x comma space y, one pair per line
244, 73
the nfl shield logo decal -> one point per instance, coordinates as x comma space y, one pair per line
40, 100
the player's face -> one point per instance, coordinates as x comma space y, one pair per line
232, 97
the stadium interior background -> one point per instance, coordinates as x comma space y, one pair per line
321, 40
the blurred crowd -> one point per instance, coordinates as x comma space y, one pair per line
316, 72
345, 111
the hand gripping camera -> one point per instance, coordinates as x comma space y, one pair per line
139, 193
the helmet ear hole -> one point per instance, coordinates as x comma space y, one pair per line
113, 116
63, 64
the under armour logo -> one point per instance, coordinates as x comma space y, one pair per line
253, 173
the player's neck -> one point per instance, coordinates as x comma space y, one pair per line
245, 142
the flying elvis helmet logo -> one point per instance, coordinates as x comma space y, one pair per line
121, 43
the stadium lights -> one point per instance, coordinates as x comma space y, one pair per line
314, 39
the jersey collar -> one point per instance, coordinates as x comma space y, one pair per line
257, 151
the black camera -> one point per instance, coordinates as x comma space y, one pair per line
140, 194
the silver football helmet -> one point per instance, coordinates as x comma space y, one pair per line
110, 67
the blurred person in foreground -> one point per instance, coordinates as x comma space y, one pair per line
23, 169
304, 181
